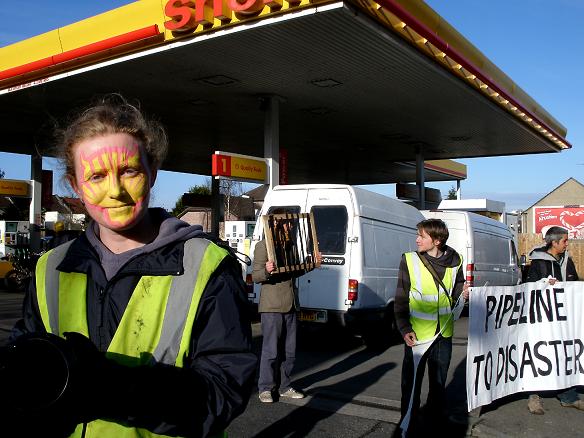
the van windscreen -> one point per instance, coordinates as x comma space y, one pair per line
331, 228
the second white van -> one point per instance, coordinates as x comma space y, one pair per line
361, 236
487, 247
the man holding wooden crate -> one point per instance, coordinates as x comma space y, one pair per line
278, 306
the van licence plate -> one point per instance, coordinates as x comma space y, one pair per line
313, 316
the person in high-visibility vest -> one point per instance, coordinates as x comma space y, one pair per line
155, 314
423, 309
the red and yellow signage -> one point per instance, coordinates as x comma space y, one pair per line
128, 28
146, 23
570, 217
237, 166
187, 15
10, 187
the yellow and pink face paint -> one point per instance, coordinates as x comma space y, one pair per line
113, 179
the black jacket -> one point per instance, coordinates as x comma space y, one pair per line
450, 258
216, 383
544, 265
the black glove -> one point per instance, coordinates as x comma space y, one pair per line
95, 380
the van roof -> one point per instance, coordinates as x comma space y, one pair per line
311, 186
368, 204
472, 217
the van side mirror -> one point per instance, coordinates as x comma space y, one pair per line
523, 260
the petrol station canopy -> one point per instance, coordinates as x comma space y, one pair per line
362, 86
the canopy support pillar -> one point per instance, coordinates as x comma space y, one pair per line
35, 214
215, 206
271, 107
420, 179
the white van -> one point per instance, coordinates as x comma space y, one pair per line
487, 247
361, 236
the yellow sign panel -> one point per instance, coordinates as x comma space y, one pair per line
230, 165
10, 187
248, 168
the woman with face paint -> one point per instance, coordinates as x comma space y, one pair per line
153, 314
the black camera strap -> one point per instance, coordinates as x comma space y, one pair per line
432, 271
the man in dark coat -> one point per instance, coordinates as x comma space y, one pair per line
551, 262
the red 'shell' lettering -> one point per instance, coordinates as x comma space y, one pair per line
186, 15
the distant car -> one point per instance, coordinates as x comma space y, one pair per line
5, 268
16, 270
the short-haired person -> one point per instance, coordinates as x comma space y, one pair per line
423, 309
552, 262
155, 313
278, 307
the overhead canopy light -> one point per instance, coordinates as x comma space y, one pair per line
218, 80
198, 102
325, 83
319, 111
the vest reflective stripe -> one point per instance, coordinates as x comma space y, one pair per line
49, 304
212, 253
145, 335
429, 316
167, 350
422, 297
429, 303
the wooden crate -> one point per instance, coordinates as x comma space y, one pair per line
291, 241
528, 241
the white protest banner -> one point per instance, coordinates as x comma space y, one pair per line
524, 338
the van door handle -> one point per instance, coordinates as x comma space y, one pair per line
308, 281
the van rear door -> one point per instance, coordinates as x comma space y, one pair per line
515, 270
326, 288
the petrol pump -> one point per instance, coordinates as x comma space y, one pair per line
13, 235
238, 234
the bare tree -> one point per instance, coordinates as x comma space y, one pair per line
229, 188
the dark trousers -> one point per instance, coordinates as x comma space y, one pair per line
438, 359
278, 350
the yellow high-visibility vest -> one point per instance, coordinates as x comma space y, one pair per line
155, 328
430, 304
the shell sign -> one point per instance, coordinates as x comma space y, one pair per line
10, 187
187, 15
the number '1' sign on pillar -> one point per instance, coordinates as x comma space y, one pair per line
241, 167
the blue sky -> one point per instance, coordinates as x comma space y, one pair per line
538, 43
